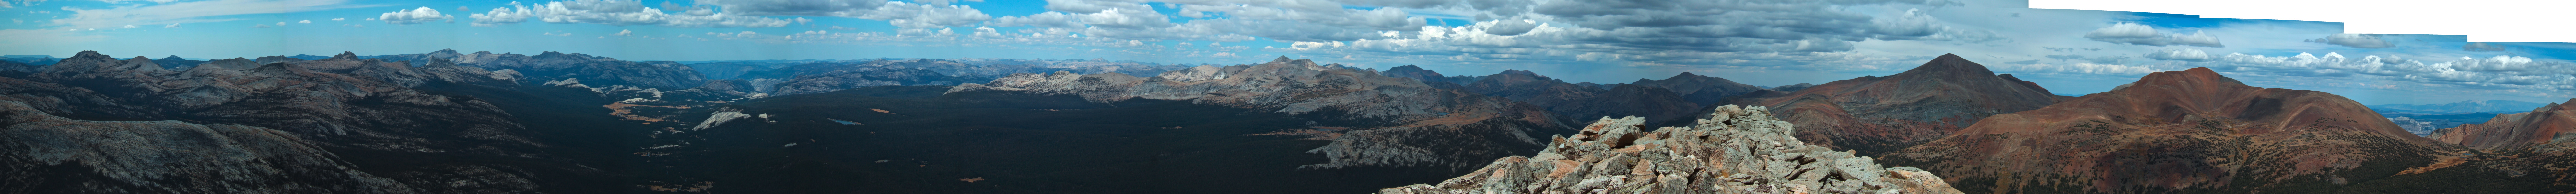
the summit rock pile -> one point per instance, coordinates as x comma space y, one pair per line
1737, 150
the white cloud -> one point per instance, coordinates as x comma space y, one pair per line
304, 22
2355, 40
624, 33
339, 19
2181, 54
413, 16
172, 25
2133, 33
503, 15
620, 13
281, 23
2498, 71
190, 12
2076, 68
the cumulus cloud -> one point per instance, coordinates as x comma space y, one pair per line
172, 25
339, 19
413, 16
618, 13
2137, 34
503, 15
924, 15
2513, 72
304, 22
624, 33
1510, 27
2181, 54
2355, 40
2077, 68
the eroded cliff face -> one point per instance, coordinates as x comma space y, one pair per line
1736, 150
2555, 122
1396, 121
2178, 131
43, 153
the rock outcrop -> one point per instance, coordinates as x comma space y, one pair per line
1396, 121
1878, 114
2191, 130
1736, 150
2555, 122
42, 153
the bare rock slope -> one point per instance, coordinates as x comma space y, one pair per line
1737, 150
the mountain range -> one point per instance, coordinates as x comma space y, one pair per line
455, 122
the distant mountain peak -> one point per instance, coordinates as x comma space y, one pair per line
172, 57
2193, 76
1282, 59
89, 54
1685, 74
1951, 63
1519, 72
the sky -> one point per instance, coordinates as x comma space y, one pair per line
1759, 42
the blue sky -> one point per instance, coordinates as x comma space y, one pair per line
1785, 42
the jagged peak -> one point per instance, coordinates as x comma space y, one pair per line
1282, 59
345, 55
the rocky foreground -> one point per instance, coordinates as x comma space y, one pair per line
1737, 150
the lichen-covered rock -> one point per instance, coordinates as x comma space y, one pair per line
1737, 150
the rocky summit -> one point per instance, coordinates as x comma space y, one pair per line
1736, 150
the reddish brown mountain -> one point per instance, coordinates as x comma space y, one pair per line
2515, 130
2181, 132
1878, 114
